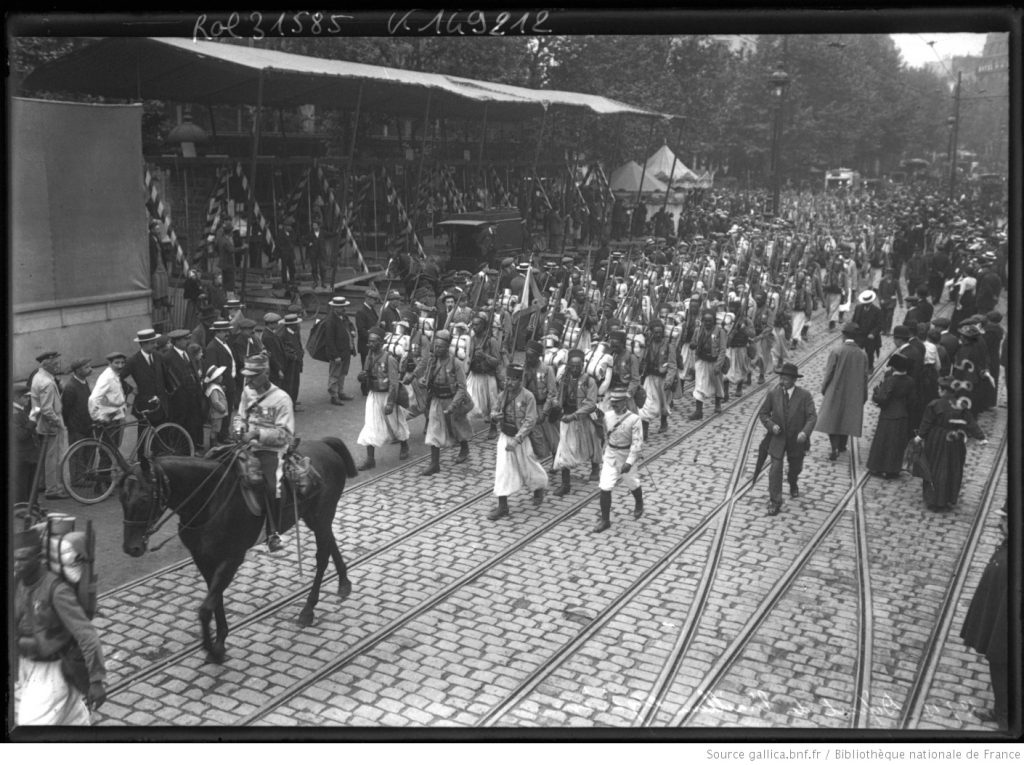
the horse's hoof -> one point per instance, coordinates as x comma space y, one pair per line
344, 589
305, 618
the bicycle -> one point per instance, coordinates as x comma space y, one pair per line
92, 467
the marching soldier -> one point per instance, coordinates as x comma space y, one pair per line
578, 443
624, 370
447, 402
709, 346
539, 379
623, 447
384, 421
658, 371
515, 465
484, 360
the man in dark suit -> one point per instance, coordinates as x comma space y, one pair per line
868, 316
184, 388
270, 337
291, 340
317, 252
75, 401
339, 336
367, 317
146, 369
244, 345
218, 354
789, 415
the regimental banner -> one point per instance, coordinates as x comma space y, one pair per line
157, 209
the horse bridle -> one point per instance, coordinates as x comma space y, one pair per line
158, 510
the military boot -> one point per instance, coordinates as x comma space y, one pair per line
739, 389
403, 452
638, 500
274, 543
493, 432
564, 489
718, 405
500, 511
463, 452
435, 461
647, 427
595, 471
664, 424
698, 412
725, 388
604, 518
370, 462
538, 497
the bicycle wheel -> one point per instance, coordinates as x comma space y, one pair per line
310, 305
169, 439
90, 470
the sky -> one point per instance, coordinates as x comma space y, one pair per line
916, 51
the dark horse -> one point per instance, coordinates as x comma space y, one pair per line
419, 278
217, 527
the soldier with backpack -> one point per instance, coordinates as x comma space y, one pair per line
55, 637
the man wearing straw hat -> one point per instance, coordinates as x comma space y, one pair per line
146, 368
47, 414
789, 415
265, 421
624, 444
50, 622
219, 354
515, 465
339, 339
868, 316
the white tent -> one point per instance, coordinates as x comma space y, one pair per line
659, 165
626, 179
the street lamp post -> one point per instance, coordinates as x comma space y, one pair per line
780, 83
954, 123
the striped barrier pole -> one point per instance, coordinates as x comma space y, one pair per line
157, 208
392, 196
341, 217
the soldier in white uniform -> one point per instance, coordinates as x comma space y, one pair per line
624, 442
384, 421
515, 466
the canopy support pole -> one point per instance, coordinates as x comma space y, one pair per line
536, 158
480, 159
345, 185
423, 157
252, 182
672, 172
643, 173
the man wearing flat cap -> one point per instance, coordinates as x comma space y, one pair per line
185, 389
515, 465
74, 401
844, 391
47, 413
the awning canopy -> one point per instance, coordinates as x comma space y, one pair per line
207, 72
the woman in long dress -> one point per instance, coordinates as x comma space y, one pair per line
894, 396
945, 426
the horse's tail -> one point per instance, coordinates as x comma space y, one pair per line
341, 450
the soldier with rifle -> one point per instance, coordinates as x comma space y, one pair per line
484, 360
447, 402
658, 372
709, 347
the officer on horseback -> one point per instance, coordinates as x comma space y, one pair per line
265, 422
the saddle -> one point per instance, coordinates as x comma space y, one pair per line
300, 479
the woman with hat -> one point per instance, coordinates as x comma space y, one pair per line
216, 402
945, 426
384, 421
515, 465
894, 396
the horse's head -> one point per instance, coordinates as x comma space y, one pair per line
142, 492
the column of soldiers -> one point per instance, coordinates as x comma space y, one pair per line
631, 330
